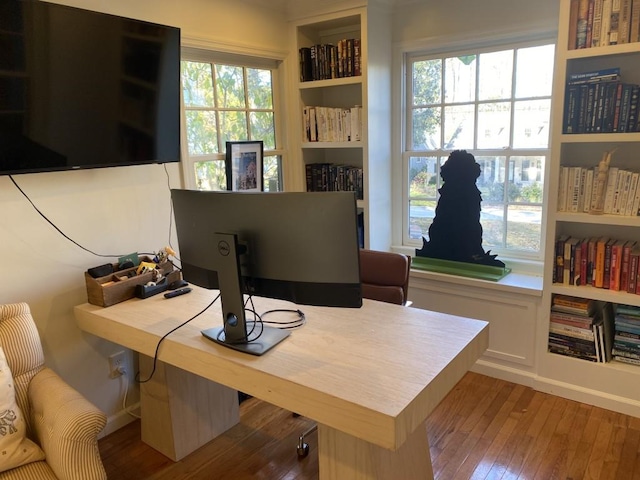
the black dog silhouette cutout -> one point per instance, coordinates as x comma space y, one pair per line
456, 232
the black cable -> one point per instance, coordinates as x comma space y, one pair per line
291, 324
54, 226
155, 356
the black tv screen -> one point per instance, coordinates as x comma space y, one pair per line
82, 89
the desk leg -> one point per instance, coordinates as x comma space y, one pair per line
343, 456
182, 411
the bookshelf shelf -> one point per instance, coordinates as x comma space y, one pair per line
334, 82
585, 150
601, 294
587, 218
312, 145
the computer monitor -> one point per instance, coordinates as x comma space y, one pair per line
296, 246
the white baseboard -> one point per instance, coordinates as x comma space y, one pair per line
119, 420
597, 398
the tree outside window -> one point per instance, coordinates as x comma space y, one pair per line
223, 103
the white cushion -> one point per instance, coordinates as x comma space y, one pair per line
15, 448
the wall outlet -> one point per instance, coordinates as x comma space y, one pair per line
117, 364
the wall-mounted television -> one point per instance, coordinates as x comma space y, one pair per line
82, 89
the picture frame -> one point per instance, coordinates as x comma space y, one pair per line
243, 165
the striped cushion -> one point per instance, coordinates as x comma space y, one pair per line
32, 471
15, 448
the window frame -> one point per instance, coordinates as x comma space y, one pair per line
444, 49
247, 59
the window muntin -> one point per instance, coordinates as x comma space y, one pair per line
495, 104
226, 102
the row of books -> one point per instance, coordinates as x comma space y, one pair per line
599, 262
600, 102
626, 344
577, 192
581, 328
330, 124
326, 61
597, 23
329, 177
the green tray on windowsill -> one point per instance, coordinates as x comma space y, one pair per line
463, 269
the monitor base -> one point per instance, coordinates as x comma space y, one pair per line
269, 338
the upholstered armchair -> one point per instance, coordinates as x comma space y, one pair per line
50, 430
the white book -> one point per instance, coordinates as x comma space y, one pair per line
610, 189
575, 175
586, 206
617, 195
597, 23
635, 211
606, 22
583, 189
356, 123
313, 125
626, 186
633, 186
562, 189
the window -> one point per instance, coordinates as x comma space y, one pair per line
228, 101
495, 104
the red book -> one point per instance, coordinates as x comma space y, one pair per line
616, 265
626, 259
634, 263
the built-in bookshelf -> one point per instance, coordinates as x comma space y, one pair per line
586, 166
342, 143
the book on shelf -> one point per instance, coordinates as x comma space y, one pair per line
588, 336
614, 22
329, 177
626, 342
624, 26
331, 124
327, 61
576, 305
634, 28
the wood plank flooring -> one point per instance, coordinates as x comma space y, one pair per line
484, 429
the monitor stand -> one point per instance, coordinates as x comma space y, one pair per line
268, 339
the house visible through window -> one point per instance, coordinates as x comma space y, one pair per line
224, 102
496, 105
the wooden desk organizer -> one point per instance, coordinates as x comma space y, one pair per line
118, 287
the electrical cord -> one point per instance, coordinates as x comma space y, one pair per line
299, 322
124, 385
81, 246
155, 355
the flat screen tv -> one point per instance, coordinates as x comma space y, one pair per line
296, 246
82, 89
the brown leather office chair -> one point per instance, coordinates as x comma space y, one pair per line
384, 277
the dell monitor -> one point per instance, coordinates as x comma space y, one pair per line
294, 246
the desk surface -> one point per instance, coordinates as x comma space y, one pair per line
375, 372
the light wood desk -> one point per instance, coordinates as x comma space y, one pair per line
368, 376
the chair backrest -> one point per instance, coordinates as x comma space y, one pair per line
20, 341
384, 276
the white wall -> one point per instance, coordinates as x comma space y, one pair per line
462, 18
110, 211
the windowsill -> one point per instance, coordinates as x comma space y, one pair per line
525, 278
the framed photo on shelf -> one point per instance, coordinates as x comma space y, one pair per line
243, 163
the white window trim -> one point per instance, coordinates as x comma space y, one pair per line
446, 44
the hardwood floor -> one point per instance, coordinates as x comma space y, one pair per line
484, 429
